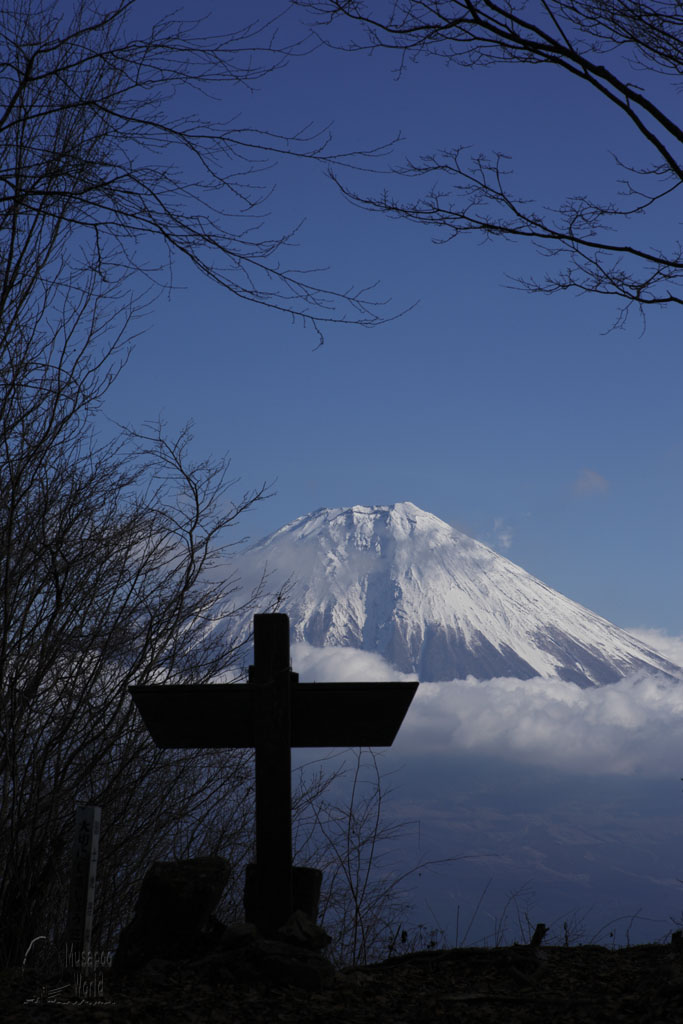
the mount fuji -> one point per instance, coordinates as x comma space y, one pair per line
398, 581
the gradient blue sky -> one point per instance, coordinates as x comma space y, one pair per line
515, 418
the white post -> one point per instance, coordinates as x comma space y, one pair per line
83, 873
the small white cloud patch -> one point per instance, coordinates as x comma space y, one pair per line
503, 534
669, 646
590, 482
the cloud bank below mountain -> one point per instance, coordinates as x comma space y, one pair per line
631, 727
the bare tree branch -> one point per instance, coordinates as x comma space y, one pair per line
100, 173
601, 45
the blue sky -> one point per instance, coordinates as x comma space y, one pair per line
515, 418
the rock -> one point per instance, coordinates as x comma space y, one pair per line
306, 883
155, 971
259, 960
174, 922
301, 931
239, 934
244, 957
173, 916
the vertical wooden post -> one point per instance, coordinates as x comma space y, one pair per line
271, 675
83, 874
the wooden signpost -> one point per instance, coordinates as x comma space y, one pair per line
83, 875
273, 712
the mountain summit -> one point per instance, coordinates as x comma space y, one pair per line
396, 580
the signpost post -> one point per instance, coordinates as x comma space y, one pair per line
273, 712
83, 876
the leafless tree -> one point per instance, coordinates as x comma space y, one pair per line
365, 901
104, 582
108, 549
104, 178
629, 52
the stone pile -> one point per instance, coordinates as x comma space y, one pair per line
174, 923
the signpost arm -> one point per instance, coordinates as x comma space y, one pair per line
271, 675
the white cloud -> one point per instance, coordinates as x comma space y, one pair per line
634, 726
343, 665
503, 534
590, 482
670, 646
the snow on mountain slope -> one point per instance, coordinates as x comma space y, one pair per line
400, 582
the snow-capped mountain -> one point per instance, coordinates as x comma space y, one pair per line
396, 580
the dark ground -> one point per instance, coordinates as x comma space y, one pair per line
512, 984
